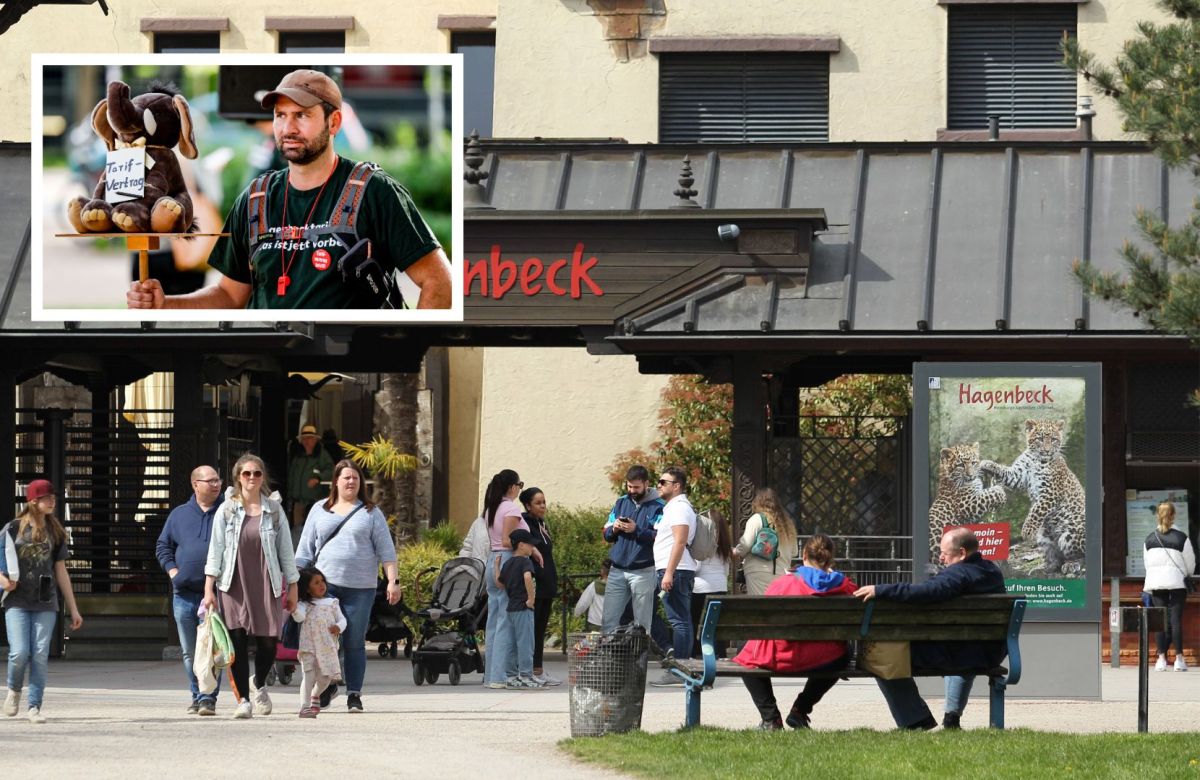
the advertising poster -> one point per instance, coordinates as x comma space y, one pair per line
1012, 452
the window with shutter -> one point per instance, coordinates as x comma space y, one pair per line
1005, 60
743, 96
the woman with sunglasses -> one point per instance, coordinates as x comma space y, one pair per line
249, 560
503, 516
347, 537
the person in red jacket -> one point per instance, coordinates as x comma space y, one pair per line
814, 577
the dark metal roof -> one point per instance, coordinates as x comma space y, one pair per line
946, 237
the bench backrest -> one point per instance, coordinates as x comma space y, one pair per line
845, 618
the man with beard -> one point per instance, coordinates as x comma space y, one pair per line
327, 233
630, 530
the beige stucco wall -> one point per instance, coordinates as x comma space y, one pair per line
559, 417
380, 27
888, 82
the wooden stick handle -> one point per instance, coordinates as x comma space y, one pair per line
143, 264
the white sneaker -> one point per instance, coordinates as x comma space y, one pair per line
11, 702
1161, 664
244, 710
262, 701
36, 716
1180, 664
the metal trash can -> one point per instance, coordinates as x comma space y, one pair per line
606, 674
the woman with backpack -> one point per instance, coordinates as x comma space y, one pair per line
34, 572
768, 542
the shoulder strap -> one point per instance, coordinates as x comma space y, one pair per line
1167, 550
329, 538
256, 208
345, 214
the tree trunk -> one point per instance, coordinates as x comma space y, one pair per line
396, 420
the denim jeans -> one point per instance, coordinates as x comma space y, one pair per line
356, 606
1173, 600
623, 586
904, 701
678, 605
28, 648
521, 629
958, 690
185, 606
500, 659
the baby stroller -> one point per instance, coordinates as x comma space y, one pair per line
456, 600
386, 625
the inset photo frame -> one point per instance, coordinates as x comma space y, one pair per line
264, 188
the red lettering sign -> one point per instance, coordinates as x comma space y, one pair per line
993, 539
562, 276
321, 259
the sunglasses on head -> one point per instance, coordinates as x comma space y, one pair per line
248, 474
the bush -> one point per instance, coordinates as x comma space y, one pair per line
579, 548
411, 560
445, 536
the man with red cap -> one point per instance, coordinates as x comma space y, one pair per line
327, 233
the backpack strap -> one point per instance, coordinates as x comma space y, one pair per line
256, 208
344, 219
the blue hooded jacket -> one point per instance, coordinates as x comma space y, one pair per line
183, 545
634, 550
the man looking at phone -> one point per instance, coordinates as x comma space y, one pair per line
631, 529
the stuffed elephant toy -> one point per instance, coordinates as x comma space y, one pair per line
157, 121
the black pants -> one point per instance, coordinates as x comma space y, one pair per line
264, 656
814, 690
1173, 601
541, 621
698, 601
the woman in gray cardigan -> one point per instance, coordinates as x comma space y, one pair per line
249, 560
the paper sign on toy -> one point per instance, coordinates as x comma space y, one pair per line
125, 175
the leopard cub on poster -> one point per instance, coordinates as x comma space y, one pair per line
1056, 519
961, 497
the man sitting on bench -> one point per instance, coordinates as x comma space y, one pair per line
966, 573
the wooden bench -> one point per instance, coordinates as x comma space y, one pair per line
844, 618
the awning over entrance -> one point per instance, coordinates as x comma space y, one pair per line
949, 238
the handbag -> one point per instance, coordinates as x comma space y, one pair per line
290, 636
886, 660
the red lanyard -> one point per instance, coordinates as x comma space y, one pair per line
286, 264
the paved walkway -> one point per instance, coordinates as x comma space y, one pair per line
126, 719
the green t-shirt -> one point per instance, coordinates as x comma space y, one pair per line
387, 216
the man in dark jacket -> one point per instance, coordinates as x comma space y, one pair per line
630, 530
966, 573
182, 550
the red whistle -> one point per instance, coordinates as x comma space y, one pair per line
281, 288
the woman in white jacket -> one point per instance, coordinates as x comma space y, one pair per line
1169, 562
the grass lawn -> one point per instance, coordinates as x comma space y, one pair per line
706, 752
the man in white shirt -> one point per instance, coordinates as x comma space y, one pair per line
674, 565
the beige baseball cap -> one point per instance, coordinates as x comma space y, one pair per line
306, 87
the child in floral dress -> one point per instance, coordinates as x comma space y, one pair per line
321, 622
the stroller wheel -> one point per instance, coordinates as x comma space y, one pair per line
285, 674
418, 673
383, 649
408, 648
431, 676
394, 650
454, 674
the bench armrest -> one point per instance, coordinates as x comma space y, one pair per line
708, 634
1014, 646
